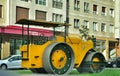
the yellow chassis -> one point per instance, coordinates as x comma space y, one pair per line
33, 58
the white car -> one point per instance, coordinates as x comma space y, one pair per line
11, 62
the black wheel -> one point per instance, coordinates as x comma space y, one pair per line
38, 70
93, 63
58, 58
3, 66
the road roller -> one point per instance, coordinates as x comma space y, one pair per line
58, 54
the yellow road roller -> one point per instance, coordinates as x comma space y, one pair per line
59, 53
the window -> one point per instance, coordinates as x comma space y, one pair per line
76, 5
103, 27
95, 9
111, 12
58, 4
103, 11
86, 7
57, 18
41, 2
15, 58
40, 15
86, 23
22, 13
95, 26
0, 11
14, 46
111, 30
76, 23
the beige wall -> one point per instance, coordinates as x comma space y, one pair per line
117, 25
4, 9
117, 18
92, 17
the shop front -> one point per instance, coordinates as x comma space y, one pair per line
11, 38
107, 46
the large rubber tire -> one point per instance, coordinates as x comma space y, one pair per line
88, 64
38, 70
58, 58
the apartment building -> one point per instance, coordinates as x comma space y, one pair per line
13, 10
98, 16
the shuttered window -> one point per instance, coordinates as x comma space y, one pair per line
95, 10
103, 9
0, 11
22, 13
94, 7
40, 15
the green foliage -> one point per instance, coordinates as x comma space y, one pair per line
106, 72
84, 31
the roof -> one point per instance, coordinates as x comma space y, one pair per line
41, 23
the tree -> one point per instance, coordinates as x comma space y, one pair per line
85, 36
84, 31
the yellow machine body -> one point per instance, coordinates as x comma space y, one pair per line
79, 47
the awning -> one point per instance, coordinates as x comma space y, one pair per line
11, 29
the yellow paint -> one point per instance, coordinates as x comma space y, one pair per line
96, 60
35, 55
96, 66
59, 59
80, 48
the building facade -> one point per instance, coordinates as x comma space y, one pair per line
49, 10
98, 16
13, 10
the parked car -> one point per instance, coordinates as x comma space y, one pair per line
11, 62
114, 63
